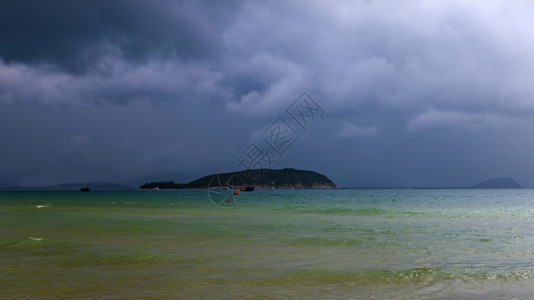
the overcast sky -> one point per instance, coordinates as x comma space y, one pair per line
405, 93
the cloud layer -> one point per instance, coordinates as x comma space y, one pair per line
415, 92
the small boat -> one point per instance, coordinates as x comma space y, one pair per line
247, 189
84, 189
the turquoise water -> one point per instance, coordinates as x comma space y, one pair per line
304, 244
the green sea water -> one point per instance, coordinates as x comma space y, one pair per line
276, 244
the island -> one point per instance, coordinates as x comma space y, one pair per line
287, 178
498, 183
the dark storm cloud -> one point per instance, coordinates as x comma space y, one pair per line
75, 35
416, 92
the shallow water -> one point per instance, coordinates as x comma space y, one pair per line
358, 244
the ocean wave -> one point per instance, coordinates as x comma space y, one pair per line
100, 259
368, 277
320, 241
411, 277
71, 254
368, 211
32, 246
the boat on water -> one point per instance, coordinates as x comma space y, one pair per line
247, 189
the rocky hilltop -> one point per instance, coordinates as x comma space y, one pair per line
258, 178
498, 183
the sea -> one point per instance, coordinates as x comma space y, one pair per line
267, 244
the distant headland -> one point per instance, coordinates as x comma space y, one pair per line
259, 178
498, 183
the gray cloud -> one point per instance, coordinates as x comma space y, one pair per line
416, 92
75, 36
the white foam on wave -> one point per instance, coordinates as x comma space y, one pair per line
41, 206
35, 238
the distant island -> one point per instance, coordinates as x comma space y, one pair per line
259, 178
498, 183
